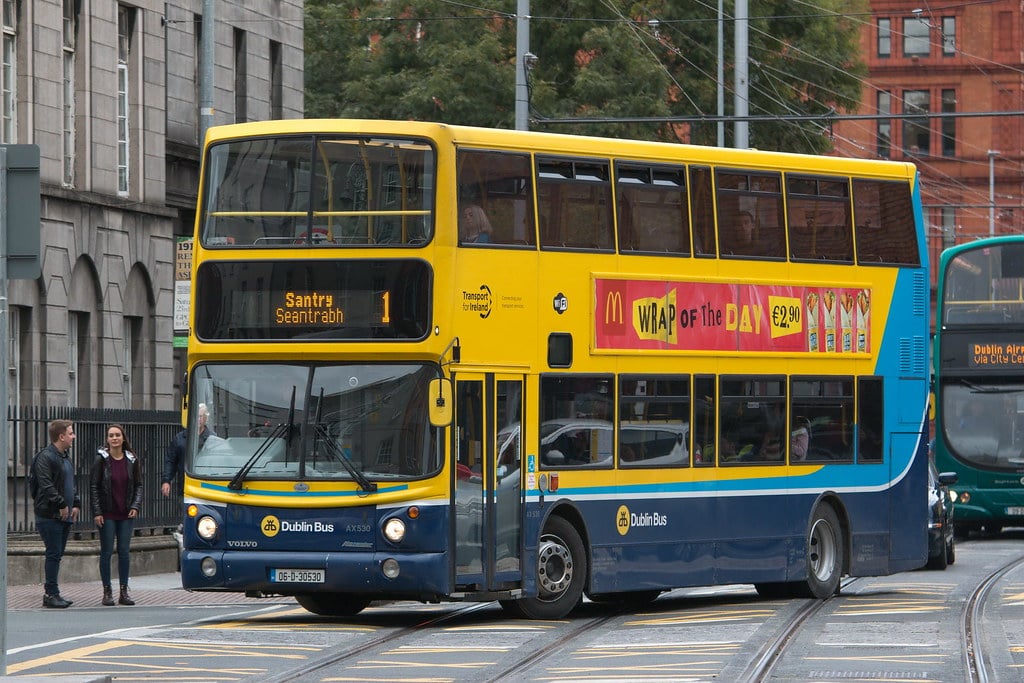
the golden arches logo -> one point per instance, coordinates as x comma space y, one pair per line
270, 525
622, 520
613, 308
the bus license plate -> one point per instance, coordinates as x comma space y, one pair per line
297, 575
1015, 511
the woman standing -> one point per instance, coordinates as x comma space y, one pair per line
115, 484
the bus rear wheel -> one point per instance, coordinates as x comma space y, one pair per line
561, 572
333, 604
825, 557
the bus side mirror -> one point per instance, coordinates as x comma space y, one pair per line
440, 398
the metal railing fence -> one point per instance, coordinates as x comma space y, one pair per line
148, 431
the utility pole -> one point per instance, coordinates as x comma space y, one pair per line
992, 192
522, 54
206, 61
742, 105
720, 75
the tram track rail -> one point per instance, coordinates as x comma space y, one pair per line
302, 673
763, 664
778, 647
976, 663
512, 672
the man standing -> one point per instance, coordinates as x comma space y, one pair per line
57, 504
174, 457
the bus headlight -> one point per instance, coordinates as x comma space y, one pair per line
394, 530
208, 566
206, 527
390, 568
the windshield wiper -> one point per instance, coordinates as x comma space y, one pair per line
334, 449
285, 429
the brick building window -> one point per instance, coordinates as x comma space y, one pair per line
916, 131
948, 36
948, 218
884, 37
916, 41
948, 123
884, 133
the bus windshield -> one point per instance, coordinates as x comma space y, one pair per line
313, 421
318, 190
984, 424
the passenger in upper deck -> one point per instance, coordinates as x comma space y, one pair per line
745, 237
474, 226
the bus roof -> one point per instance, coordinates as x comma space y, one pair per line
561, 143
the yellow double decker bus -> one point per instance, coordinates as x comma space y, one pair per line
451, 363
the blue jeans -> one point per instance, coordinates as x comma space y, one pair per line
120, 529
55, 538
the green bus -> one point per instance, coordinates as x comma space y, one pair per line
979, 381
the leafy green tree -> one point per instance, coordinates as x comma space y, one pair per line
626, 68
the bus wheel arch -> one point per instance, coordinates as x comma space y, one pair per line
562, 568
826, 552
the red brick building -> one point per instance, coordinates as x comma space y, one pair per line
961, 59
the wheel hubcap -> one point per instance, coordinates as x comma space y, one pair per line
822, 550
554, 566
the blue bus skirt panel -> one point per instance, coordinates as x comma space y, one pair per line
423, 575
346, 542
672, 535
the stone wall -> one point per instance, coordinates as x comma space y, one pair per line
150, 555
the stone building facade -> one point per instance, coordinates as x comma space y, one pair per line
110, 93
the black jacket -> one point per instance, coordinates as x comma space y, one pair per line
49, 466
100, 500
174, 458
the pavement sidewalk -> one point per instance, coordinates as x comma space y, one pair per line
148, 589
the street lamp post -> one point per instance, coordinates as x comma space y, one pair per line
992, 192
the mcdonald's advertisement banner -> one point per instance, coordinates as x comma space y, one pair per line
701, 316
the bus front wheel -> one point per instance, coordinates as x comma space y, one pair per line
825, 554
332, 604
561, 572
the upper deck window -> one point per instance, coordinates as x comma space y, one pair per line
574, 203
985, 286
750, 218
301, 191
651, 205
884, 215
495, 198
820, 226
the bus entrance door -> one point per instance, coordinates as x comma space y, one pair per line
487, 501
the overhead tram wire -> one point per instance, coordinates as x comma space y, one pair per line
755, 118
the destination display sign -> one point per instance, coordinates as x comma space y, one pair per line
995, 355
312, 299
